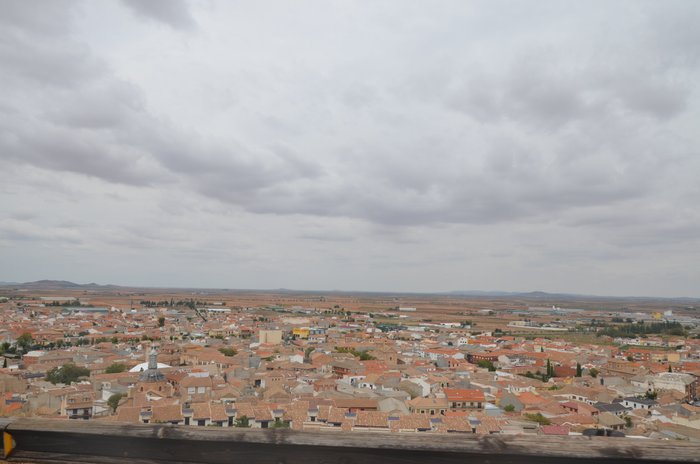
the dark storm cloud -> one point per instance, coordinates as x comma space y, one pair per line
174, 13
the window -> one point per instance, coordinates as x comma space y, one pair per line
201, 389
191, 390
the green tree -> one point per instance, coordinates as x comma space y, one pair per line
67, 374
579, 371
670, 369
509, 408
280, 424
227, 351
4, 363
365, 356
539, 418
651, 395
242, 422
161, 321
5, 347
115, 368
307, 353
593, 372
24, 341
113, 400
485, 364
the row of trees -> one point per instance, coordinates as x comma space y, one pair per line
644, 328
67, 374
172, 302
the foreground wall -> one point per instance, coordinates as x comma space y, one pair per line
89, 441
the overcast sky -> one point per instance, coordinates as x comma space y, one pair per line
354, 145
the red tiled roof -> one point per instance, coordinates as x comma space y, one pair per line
463, 394
554, 430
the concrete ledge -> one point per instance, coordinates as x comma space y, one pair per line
45, 440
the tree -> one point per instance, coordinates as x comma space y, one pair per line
24, 341
539, 418
579, 371
593, 372
5, 347
509, 408
651, 395
485, 364
280, 424
226, 351
670, 369
307, 353
4, 363
67, 374
115, 368
161, 321
365, 356
242, 422
113, 401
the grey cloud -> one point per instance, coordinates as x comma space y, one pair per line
327, 238
23, 230
174, 13
108, 104
400, 176
62, 149
449, 131
535, 96
46, 61
96, 124
48, 18
660, 99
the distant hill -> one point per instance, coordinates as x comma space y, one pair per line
551, 298
55, 285
539, 295
534, 295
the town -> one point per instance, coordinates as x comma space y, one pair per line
407, 363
